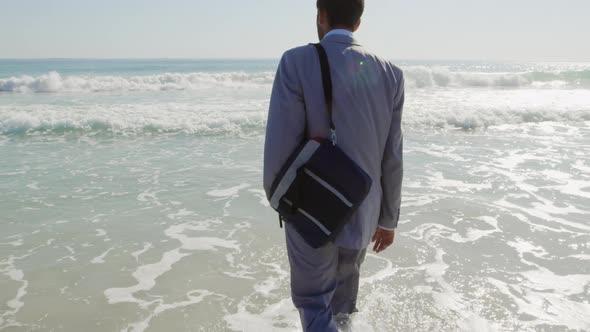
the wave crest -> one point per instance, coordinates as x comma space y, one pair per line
54, 82
423, 77
132, 119
416, 77
169, 119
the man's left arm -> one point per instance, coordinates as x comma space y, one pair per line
286, 120
392, 175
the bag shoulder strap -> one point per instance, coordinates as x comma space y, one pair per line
327, 83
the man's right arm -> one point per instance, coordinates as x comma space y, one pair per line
392, 164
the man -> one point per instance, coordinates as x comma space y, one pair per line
368, 100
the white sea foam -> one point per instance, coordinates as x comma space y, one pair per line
242, 274
146, 275
236, 115
280, 315
8, 268
386, 272
471, 109
229, 192
33, 186
149, 196
146, 246
581, 166
260, 194
137, 119
438, 180
416, 76
543, 215
198, 243
16, 243
440, 76
544, 295
437, 151
422, 76
273, 282
131, 119
194, 297
449, 298
55, 82
545, 307
276, 313
477, 323
181, 214
474, 234
100, 259
461, 116
527, 232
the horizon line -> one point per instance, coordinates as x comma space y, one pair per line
278, 59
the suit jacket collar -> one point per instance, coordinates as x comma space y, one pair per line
341, 39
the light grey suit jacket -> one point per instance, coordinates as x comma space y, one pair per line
368, 102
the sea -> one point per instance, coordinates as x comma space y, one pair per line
131, 200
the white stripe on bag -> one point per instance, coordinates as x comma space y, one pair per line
329, 187
310, 217
315, 221
305, 154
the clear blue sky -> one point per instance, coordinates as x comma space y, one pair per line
553, 30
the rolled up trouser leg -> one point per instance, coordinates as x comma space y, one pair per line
313, 281
345, 296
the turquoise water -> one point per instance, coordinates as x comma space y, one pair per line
131, 200
10, 67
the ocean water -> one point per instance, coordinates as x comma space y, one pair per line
131, 200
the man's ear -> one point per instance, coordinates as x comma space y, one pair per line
358, 24
322, 17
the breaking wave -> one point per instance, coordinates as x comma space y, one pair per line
416, 77
481, 119
423, 77
132, 120
55, 82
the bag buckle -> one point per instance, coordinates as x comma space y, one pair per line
334, 139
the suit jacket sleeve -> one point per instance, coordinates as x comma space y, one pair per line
286, 120
392, 165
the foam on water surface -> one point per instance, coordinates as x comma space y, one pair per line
55, 82
229, 192
139, 196
14, 305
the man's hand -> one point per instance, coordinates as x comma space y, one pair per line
382, 239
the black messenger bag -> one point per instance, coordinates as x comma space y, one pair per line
319, 187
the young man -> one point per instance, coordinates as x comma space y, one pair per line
368, 94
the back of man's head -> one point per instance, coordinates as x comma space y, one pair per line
346, 13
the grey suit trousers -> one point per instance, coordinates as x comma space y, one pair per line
324, 281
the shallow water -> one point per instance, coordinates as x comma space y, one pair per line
142, 209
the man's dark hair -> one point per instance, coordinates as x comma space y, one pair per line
343, 12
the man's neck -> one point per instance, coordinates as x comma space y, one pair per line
340, 31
